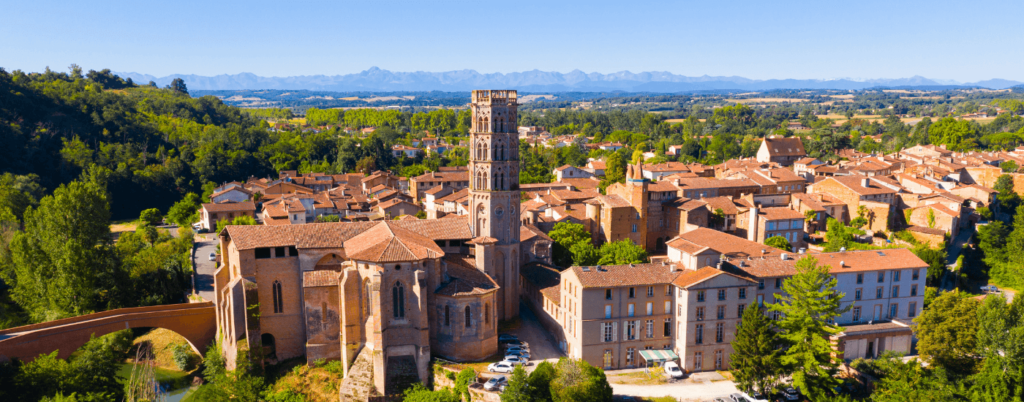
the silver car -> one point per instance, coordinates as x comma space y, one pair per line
495, 382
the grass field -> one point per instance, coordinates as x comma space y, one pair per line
161, 340
126, 225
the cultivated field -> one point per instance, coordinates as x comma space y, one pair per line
767, 100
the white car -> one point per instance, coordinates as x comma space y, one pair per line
672, 370
213, 256
501, 367
495, 382
517, 360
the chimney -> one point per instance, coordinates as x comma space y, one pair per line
864, 182
752, 225
785, 256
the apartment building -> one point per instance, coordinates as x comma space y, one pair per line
613, 312
709, 305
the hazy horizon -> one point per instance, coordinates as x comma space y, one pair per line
942, 40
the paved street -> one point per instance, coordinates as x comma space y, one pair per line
952, 252
204, 268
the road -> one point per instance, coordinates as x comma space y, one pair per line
956, 245
204, 268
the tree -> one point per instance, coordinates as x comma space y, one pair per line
540, 381
239, 220
178, 85
947, 332
778, 242
837, 236
909, 381
1008, 166
578, 381
419, 393
622, 252
62, 253
330, 218
518, 388
565, 236
808, 306
151, 216
185, 212
756, 357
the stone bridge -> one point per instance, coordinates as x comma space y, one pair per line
195, 321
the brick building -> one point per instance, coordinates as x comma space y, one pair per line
392, 292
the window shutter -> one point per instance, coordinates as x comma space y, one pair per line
615, 331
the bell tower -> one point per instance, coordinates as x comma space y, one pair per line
494, 189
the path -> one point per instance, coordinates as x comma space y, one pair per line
952, 253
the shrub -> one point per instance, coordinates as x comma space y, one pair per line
183, 357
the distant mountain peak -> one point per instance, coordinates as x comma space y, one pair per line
376, 79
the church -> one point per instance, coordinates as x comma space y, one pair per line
396, 292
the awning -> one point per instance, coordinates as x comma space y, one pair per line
658, 356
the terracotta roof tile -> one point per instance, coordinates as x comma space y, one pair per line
230, 206
607, 276
689, 278
319, 278
386, 242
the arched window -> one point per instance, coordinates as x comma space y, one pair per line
367, 298
447, 316
469, 317
278, 300
398, 300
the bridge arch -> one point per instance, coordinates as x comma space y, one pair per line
196, 322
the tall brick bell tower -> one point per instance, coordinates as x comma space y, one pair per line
494, 192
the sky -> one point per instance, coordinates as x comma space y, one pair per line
963, 41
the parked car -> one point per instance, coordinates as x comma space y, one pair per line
513, 349
515, 342
738, 398
213, 256
500, 367
720, 400
754, 396
672, 370
516, 360
521, 353
990, 289
790, 394
506, 338
495, 382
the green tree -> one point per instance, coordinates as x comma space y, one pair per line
909, 381
540, 381
622, 252
756, 357
62, 253
151, 216
947, 332
518, 388
837, 236
778, 242
578, 381
239, 220
178, 85
565, 236
808, 306
185, 212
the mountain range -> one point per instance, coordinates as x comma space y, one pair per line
376, 79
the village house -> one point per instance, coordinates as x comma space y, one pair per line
211, 213
784, 151
570, 172
877, 197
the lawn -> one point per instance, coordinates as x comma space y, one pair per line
318, 383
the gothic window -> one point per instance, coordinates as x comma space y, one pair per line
367, 310
398, 300
278, 302
469, 317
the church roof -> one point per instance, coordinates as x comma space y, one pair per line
388, 242
335, 234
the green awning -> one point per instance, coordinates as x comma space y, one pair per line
658, 356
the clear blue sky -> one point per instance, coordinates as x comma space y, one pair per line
961, 40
